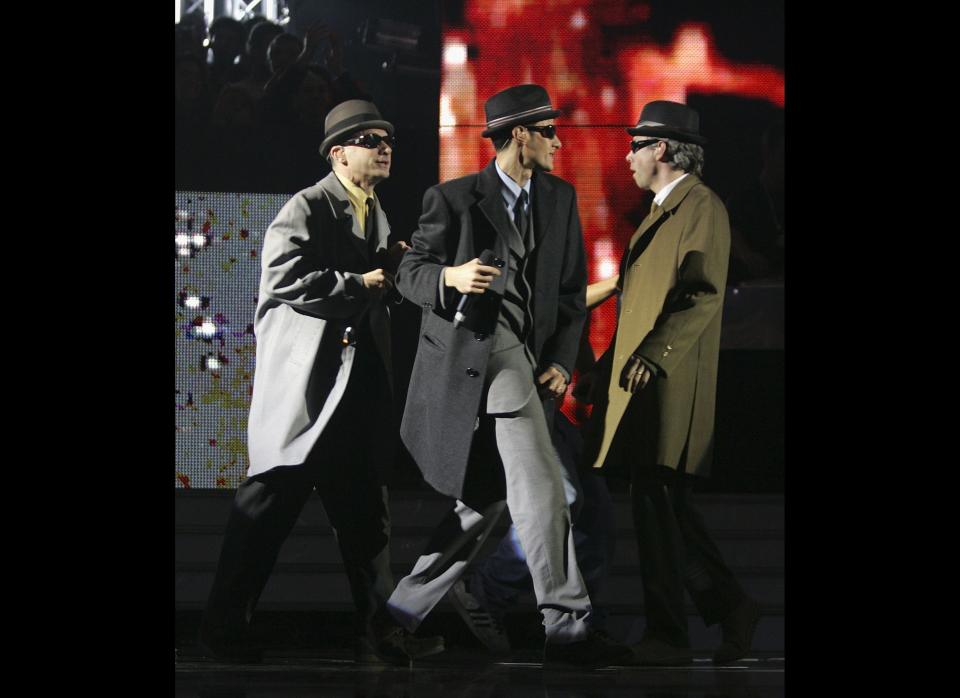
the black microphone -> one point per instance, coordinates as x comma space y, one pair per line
487, 259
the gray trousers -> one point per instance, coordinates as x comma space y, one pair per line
541, 516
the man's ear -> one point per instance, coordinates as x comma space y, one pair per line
520, 134
661, 153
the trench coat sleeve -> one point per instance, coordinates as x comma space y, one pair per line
431, 250
698, 294
562, 346
293, 273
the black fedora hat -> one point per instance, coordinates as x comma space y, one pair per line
349, 117
673, 120
520, 104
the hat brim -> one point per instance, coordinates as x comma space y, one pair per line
342, 133
520, 121
667, 132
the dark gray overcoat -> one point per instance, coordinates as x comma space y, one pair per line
460, 219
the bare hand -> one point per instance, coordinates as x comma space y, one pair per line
635, 375
378, 281
471, 277
552, 382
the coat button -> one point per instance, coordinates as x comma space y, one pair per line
665, 353
472, 372
479, 336
428, 305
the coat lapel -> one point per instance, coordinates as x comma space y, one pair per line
490, 202
343, 212
544, 206
670, 205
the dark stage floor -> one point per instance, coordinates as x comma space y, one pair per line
463, 672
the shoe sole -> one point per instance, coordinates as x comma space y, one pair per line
754, 622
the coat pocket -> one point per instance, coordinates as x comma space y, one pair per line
432, 342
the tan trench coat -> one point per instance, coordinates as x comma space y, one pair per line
670, 314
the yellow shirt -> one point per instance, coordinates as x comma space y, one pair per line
358, 199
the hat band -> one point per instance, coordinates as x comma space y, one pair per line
353, 120
493, 123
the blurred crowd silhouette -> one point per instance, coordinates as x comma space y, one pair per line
250, 101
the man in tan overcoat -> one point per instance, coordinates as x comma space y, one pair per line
654, 424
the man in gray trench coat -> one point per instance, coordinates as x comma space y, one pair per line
473, 420
654, 420
321, 415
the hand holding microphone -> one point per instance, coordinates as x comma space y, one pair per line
473, 277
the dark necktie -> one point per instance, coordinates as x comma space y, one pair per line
370, 227
520, 217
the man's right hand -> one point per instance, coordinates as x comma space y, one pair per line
378, 280
471, 277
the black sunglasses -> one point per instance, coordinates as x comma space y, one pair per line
636, 145
371, 141
547, 132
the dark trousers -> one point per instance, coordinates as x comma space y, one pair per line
677, 553
343, 468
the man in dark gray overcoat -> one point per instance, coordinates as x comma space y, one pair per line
474, 421
321, 415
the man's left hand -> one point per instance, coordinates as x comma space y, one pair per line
552, 383
635, 375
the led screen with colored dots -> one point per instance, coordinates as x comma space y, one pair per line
218, 238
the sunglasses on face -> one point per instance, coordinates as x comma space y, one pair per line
371, 141
547, 132
637, 145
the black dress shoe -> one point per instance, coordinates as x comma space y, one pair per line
231, 651
595, 651
738, 629
655, 652
397, 646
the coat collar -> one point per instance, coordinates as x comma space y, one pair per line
491, 201
680, 192
343, 211
670, 204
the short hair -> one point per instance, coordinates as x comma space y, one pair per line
501, 139
340, 141
684, 156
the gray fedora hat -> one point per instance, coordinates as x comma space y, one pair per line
520, 104
663, 119
349, 117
